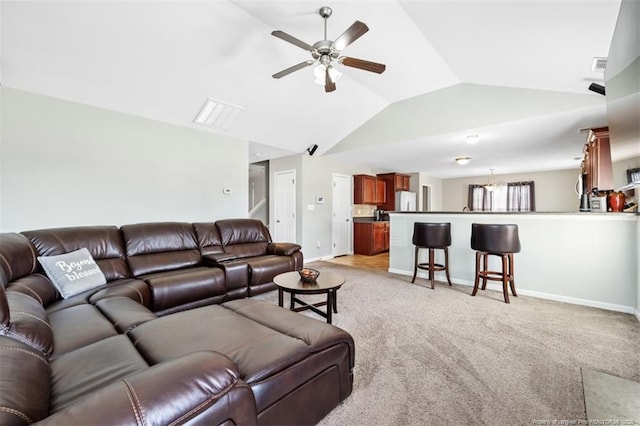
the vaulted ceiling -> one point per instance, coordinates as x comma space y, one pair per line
513, 72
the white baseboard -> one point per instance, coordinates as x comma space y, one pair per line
315, 259
539, 295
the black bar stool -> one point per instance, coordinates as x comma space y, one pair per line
431, 236
496, 240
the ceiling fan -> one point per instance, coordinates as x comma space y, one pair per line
326, 53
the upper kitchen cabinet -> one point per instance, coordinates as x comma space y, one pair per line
368, 190
394, 182
597, 160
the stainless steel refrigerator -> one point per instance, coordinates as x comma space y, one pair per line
405, 201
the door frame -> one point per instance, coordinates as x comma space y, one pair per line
275, 204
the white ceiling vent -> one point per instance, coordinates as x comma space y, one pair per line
218, 114
599, 64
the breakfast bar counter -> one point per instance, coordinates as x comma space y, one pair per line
583, 258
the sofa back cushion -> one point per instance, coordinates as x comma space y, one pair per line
17, 257
209, 239
27, 321
162, 246
105, 243
25, 380
244, 237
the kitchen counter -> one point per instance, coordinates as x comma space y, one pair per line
522, 213
583, 258
368, 219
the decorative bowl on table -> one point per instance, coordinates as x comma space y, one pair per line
309, 275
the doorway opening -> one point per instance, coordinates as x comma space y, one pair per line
259, 191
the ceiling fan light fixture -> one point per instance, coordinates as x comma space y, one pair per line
319, 73
324, 52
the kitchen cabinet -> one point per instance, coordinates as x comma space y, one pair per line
394, 182
370, 237
597, 160
368, 190
381, 191
401, 182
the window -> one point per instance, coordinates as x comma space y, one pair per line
512, 197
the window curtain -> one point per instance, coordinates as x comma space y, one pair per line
512, 197
521, 197
479, 199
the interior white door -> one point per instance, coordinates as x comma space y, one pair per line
285, 206
341, 202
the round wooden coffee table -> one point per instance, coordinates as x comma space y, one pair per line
327, 283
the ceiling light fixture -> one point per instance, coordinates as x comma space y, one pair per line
490, 186
471, 139
319, 72
326, 53
463, 160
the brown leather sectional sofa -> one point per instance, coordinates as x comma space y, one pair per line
171, 338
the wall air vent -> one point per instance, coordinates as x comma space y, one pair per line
599, 64
218, 114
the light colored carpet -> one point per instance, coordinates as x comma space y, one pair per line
443, 357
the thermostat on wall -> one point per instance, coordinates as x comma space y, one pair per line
226, 190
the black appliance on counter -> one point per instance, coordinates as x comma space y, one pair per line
378, 215
581, 188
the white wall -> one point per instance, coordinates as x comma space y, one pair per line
314, 176
65, 164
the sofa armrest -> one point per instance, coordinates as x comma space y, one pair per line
217, 258
283, 249
124, 313
202, 387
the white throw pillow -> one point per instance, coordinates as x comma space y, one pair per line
73, 273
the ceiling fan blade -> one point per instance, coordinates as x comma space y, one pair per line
363, 65
329, 85
291, 39
354, 32
292, 69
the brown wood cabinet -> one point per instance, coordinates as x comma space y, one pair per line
381, 191
368, 190
370, 237
394, 182
597, 160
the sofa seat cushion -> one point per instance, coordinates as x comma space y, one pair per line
277, 351
78, 326
78, 373
183, 286
257, 350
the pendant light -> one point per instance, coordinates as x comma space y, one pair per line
490, 186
